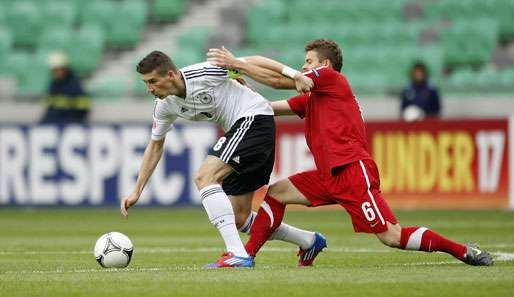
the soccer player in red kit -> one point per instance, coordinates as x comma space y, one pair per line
345, 173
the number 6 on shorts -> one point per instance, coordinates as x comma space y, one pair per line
369, 213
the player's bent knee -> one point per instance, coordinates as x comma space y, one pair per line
212, 171
278, 191
203, 179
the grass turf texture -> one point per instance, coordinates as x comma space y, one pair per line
48, 252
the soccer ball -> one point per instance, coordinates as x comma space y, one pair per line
113, 250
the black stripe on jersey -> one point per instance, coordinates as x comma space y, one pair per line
203, 69
205, 74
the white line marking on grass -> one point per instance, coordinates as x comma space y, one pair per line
107, 270
501, 256
428, 263
500, 245
193, 250
498, 257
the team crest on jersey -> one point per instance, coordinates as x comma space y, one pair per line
205, 98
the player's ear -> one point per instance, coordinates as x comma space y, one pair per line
326, 63
171, 74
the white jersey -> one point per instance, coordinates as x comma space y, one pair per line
210, 96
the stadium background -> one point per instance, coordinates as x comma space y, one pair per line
55, 180
468, 46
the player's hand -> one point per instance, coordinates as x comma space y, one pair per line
127, 202
303, 83
222, 57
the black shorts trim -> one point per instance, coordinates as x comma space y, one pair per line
249, 148
236, 138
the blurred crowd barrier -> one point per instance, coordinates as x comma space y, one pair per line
96, 165
433, 164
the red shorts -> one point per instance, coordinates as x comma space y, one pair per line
356, 187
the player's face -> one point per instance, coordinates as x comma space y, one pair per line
161, 86
312, 61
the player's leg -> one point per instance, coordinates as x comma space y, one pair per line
245, 218
248, 149
217, 204
242, 205
378, 218
418, 238
268, 222
271, 212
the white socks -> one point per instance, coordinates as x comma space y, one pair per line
302, 238
220, 212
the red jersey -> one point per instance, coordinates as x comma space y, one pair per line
334, 128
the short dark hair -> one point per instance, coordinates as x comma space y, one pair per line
327, 49
157, 61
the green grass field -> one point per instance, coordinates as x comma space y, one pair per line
48, 252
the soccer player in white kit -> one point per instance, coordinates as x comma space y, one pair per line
238, 164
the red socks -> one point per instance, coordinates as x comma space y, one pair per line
268, 218
423, 239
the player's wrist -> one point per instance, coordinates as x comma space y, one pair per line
236, 64
137, 193
290, 72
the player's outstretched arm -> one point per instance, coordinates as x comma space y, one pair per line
296, 80
262, 69
281, 108
151, 157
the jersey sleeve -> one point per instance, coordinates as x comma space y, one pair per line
162, 121
321, 76
298, 104
206, 73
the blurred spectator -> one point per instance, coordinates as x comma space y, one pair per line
66, 101
420, 99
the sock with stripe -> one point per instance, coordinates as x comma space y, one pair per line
220, 212
248, 223
268, 218
423, 239
285, 232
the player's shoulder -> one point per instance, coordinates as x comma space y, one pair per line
321, 71
204, 69
163, 107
